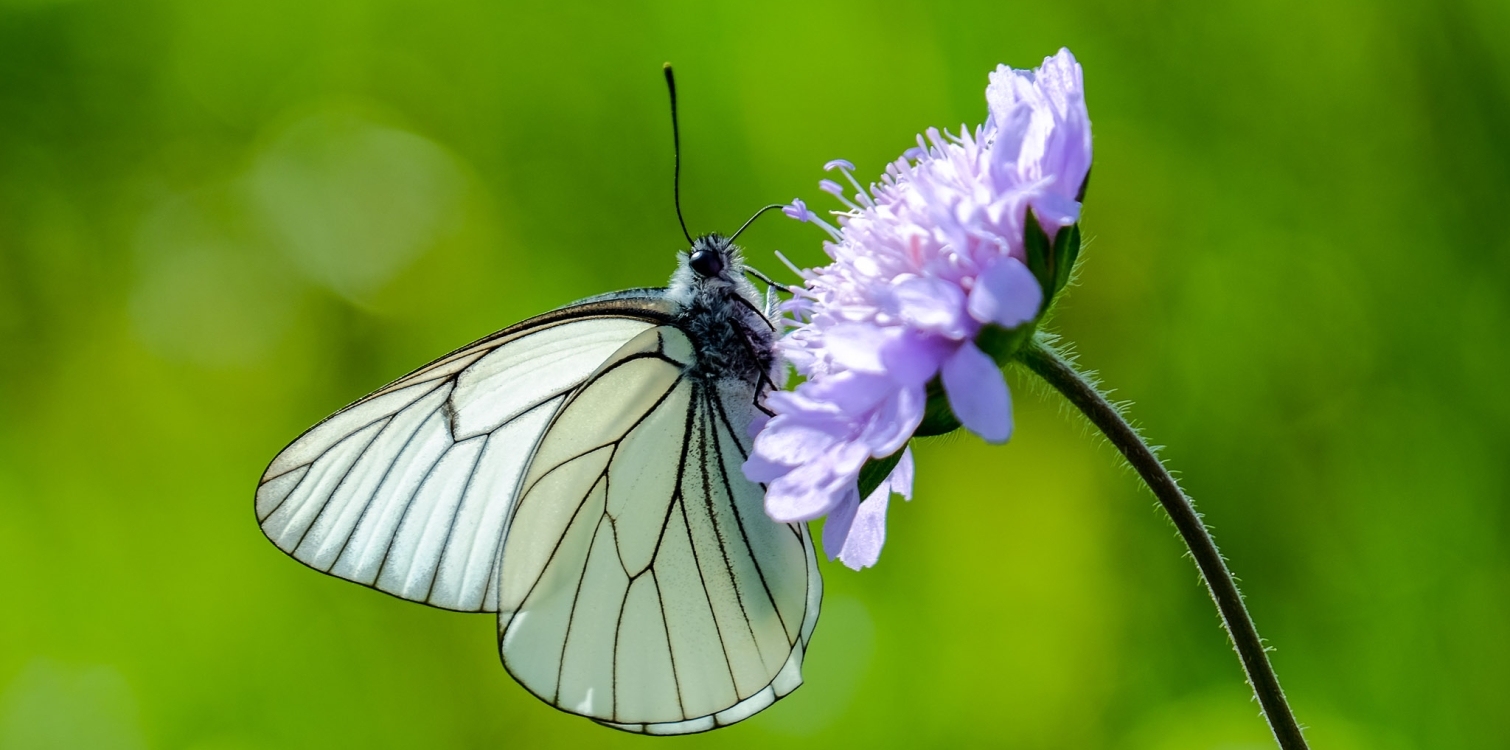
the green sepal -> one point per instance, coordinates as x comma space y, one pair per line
1050, 262
1040, 255
876, 470
1002, 344
938, 418
1066, 252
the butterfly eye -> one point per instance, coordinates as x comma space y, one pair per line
706, 263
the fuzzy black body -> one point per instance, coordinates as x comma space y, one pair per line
720, 311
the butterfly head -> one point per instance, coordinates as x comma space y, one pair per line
713, 272
712, 265
710, 255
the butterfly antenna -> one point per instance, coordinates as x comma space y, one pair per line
753, 218
773, 284
676, 148
752, 271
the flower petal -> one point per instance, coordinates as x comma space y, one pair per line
789, 499
816, 487
931, 304
1007, 294
866, 531
836, 527
892, 424
856, 346
913, 357
793, 441
758, 421
1054, 210
800, 403
900, 480
847, 394
799, 211
759, 469
978, 393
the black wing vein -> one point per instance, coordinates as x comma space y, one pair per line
710, 436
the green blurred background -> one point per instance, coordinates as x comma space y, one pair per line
220, 221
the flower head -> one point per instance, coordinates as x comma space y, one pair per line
923, 262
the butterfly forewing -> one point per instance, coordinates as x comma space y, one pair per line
642, 584
408, 489
580, 474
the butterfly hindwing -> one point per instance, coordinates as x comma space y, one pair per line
642, 584
408, 489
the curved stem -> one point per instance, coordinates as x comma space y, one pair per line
1041, 357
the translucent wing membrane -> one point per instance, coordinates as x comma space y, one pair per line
642, 584
408, 489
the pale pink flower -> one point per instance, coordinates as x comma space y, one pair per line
922, 261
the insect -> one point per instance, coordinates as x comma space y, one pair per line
579, 474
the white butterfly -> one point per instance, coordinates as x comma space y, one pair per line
579, 474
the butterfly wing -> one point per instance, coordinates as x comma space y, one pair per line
642, 584
408, 489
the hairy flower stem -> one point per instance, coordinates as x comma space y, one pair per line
1041, 357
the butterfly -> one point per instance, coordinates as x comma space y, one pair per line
579, 474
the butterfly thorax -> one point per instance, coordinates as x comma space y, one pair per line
720, 311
